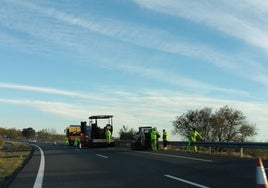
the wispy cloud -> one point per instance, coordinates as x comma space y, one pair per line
175, 79
222, 20
228, 17
231, 18
55, 108
132, 108
143, 106
141, 99
46, 90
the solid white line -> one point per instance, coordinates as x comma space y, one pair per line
40, 175
176, 156
186, 181
103, 156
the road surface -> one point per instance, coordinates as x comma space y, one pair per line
121, 167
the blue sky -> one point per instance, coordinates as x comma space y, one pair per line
143, 61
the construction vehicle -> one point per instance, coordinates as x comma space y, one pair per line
142, 140
92, 134
72, 132
99, 124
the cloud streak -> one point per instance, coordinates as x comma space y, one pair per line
49, 91
55, 108
133, 108
145, 105
232, 21
177, 80
228, 17
157, 39
141, 98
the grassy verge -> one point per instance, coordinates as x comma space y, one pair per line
12, 157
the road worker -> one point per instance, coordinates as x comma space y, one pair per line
192, 138
66, 141
108, 135
154, 139
165, 139
77, 141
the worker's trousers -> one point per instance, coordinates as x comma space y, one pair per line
153, 144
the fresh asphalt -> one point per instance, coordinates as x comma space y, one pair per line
122, 167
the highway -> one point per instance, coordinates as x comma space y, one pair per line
122, 167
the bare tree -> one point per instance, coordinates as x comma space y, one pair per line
225, 125
126, 134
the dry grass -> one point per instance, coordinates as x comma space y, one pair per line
12, 157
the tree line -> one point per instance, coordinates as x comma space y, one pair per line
27, 133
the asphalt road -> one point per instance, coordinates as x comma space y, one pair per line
122, 167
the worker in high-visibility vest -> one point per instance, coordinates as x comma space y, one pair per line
192, 138
66, 141
76, 142
153, 139
165, 139
108, 135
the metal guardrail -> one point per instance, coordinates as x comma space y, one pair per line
241, 145
210, 145
252, 145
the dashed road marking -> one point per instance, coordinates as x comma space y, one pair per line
176, 156
103, 156
186, 181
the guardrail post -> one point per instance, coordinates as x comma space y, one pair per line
209, 150
241, 152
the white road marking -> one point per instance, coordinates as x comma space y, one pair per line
186, 181
40, 175
176, 156
103, 156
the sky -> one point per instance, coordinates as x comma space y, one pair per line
143, 61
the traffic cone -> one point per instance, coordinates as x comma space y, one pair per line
261, 175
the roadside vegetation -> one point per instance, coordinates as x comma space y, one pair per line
12, 157
222, 125
15, 150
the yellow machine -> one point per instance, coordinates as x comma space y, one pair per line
72, 132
